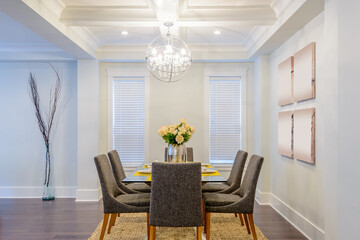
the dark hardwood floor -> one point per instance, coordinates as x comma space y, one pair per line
33, 219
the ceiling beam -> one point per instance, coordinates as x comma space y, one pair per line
155, 23
42, 20
295, 17
160, 11
166, 11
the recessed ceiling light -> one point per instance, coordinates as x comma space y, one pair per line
217, 32
124, 33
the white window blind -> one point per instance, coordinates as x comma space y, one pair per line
224, 118
129, 118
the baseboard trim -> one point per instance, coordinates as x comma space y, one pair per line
262, 198
88, 195
308, 229
35, 192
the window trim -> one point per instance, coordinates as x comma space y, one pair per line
141, 72
226, 72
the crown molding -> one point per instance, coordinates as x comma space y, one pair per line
280, 6
199, 52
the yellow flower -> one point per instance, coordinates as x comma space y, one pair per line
182, 120
179, 139
192, 129
164, 129
187, 126
172, 131
182, 129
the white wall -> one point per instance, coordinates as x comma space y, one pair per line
170, 102
297, 187
88, 130
22, 150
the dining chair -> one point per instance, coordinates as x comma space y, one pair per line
176, 196
119, 174
116, 201
234, 180
241, 201
189, 154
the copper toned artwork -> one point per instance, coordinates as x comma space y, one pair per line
285, 81
285, 131
304, 135
304, 73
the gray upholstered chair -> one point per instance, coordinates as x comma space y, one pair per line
189, 154
241, 201
119, 174
176, 196
115, 200
234, 180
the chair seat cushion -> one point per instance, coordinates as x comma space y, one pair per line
218, 199
140, 200
214, 187
141, 187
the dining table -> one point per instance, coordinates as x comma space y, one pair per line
142, 174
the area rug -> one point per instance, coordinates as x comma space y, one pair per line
133, 227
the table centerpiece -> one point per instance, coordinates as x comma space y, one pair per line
176, 135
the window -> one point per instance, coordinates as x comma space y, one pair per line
224, 118
128, 128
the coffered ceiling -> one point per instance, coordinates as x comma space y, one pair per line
95, 29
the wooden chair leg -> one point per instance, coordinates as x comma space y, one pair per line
204, 213
247, 223
241, 219
252, 225
198, 233
105, 222
118, 214
235, 214
112, 221
115, 216
148, 225
207, 226
152, 232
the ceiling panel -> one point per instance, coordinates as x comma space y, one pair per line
202, 3
229, 35
112, 34
105, 3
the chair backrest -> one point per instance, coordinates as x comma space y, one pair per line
248, 186
237, 168
117, 167
176, 195
108, 184
189, 154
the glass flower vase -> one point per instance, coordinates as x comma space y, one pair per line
48, 181
177, 153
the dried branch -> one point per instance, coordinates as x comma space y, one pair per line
36, 101
45, 127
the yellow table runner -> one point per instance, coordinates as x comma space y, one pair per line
137, 173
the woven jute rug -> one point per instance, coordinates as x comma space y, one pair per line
133, 227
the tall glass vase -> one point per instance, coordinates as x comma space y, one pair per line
177, 153
48, 181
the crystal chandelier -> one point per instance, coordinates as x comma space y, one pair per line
168, 57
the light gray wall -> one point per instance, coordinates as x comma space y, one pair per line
348, 119
170, 102
22, 150
297, 185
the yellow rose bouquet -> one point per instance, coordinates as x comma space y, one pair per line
177, 134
